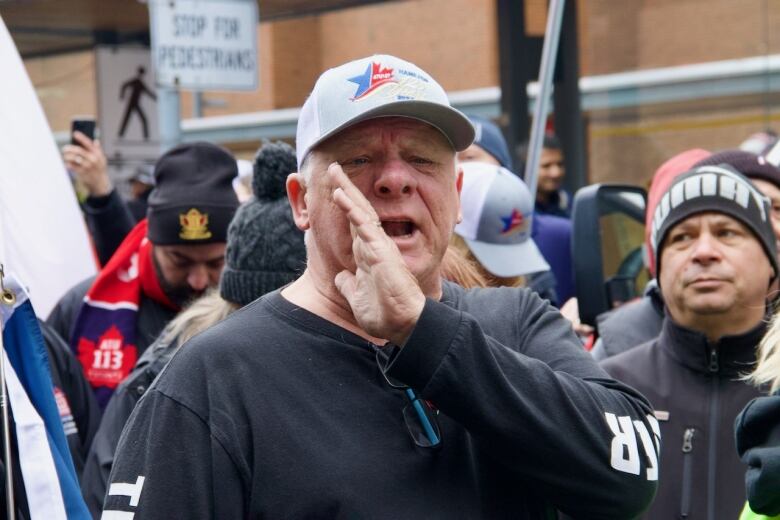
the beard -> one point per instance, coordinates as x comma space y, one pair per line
180, 296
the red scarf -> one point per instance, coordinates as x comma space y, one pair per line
104, 337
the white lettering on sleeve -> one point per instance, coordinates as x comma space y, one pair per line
116, 515
623, 429
647, 444
127, 489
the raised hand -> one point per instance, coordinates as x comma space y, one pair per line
88, 163
384, 296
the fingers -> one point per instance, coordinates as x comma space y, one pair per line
89, 165
341, 180
345, 283
85, 158
82, 140
73, 156
363, 220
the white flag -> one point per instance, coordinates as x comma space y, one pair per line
43, 237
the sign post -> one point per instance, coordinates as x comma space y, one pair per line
127, 108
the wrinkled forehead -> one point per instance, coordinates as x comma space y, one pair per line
404, 132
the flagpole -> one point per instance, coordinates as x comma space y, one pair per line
7, 297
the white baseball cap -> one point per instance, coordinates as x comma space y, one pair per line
497, 210
377, 86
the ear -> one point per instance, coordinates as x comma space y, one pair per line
296, 193
459, 187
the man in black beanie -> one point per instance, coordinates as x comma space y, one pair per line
169, 258
715, 259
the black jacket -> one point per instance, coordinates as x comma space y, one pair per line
76, 403
629, 325
100, 459
109, 221
693, 386
758, 443
278, 413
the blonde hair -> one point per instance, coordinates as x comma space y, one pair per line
456, 267
201, 314
457, 243
767, 369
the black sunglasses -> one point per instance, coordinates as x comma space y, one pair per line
419, 417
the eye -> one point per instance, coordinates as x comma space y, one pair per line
181, 263
728, 233
215, 264
421, 160
679, 237
354, 162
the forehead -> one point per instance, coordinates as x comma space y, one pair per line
710, 218
399, 130
194, 253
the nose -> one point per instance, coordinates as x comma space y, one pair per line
395, 179
706, 249
198, 277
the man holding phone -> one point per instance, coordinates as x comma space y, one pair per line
108, 217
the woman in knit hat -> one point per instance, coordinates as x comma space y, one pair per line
265, 251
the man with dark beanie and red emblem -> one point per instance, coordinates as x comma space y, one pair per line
168, 259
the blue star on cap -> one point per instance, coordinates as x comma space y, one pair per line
363, 81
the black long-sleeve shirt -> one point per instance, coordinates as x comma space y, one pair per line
278, 413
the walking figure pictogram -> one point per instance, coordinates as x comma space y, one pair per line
137, 88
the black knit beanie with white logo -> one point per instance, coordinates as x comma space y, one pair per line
714, 188
265, 248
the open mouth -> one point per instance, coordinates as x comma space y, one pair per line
398, 228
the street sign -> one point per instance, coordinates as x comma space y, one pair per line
127, 108
205, 44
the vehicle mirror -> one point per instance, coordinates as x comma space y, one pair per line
607, 247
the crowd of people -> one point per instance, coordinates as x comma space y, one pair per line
385, 327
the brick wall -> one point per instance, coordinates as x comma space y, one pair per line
456, 41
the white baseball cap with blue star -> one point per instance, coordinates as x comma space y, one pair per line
497, 212
377, 86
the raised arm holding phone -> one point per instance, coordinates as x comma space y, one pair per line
108, 218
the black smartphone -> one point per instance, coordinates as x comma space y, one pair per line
85, 125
